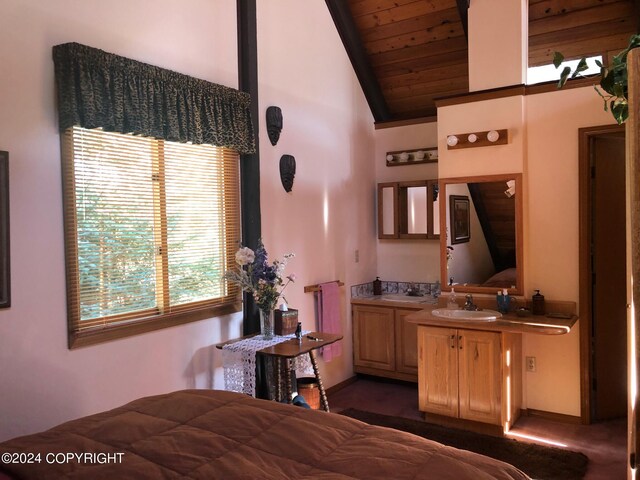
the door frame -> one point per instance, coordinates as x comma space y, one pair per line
585, 135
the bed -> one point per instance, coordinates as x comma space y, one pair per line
210, 434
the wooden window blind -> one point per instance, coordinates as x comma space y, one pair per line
151, 227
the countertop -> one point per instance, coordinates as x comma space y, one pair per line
538, 324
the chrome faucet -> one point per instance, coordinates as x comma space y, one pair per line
469, 305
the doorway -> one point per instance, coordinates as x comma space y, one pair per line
603, 315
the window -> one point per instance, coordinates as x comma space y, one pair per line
547, 73
151, 226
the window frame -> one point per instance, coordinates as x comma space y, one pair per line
90, 332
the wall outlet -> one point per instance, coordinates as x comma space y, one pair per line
531, 364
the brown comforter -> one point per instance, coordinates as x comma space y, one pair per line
212, 434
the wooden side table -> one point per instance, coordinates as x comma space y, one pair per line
291, 349
294, 348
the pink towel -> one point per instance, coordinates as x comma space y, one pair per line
329, 317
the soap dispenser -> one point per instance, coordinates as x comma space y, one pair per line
537, 303
377, 286
452, 302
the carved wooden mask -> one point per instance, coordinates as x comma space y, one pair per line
274, 124
287, 171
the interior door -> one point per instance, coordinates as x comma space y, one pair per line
609, 277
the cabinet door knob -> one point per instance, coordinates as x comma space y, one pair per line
460, 342
452, 341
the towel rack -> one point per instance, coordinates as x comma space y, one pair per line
316, 287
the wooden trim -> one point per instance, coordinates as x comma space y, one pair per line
379, 125
339, 386
113, 332
5, 257
392, 374
249, 164
584, 258
633, 247
316, 287
514, 90
350, 37
491, 94
556, 417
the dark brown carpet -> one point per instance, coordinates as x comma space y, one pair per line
537, 461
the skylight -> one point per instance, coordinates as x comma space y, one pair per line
546, 73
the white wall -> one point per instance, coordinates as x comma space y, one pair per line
327, 127
552, 235
406, 260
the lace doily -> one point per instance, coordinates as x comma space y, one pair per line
239, 362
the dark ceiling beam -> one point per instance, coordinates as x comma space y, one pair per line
348, 32
249, 163
463, 10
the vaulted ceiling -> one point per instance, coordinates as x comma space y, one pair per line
407, 53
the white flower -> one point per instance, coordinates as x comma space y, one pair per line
292, 277
244, 256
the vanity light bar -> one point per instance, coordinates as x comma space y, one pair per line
478, 139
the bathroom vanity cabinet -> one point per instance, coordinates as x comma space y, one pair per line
469, 374
384, 342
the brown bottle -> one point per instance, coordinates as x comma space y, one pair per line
537, 304
377, 286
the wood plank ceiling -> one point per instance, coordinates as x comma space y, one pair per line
407, 53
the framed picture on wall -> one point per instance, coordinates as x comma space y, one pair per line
5, 276
459, 217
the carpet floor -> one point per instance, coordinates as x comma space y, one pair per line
537, 461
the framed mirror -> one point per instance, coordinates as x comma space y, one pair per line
408, 210
481, 244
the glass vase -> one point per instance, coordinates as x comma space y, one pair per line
266, 324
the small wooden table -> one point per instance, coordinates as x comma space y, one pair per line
290, 349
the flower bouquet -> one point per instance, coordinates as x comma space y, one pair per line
263, 280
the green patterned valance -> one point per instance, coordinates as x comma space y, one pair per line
100, 89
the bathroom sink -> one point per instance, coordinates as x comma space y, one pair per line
476, 316
390, 297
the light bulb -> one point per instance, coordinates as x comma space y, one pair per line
493, 136
404, 156
389, 158
472, 138
452, 140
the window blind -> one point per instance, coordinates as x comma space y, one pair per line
151, 227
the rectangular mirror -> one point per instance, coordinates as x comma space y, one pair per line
482, 249
412, 199
387, 210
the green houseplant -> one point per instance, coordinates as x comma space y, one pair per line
613, 82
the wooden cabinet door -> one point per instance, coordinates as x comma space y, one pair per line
373, 337
406, 343
438, 370
480, 376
